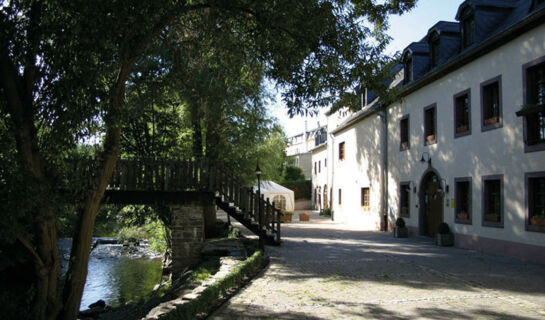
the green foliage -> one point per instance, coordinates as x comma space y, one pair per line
326, 212
209, 297
443, 228
293, 173
152, 230
301, 189
205, 269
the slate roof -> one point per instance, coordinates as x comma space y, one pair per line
515, 11
446, 26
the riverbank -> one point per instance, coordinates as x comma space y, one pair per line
194, 296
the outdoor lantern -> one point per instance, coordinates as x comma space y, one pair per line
423, 160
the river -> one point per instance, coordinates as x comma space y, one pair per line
116, 274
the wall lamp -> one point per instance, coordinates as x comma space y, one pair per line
440, 189
413, 186
424, 160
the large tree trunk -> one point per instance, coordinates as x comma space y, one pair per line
81, 243
45, 253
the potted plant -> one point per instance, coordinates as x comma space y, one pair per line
303, 216
538, 220
462, 215
444, 237
462, 128
492, 218
286, 216
430, 138
490, 121
400, 230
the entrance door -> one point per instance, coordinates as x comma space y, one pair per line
432, 204
326, 204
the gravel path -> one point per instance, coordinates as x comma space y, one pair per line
325, 270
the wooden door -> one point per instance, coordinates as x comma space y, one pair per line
433, 200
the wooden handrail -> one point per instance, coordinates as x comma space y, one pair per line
184, 175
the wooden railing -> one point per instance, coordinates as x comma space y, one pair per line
252, 207
189, 175
151, 174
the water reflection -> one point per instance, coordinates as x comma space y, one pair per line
119, 280
116, 274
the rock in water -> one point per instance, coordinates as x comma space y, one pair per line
99, 304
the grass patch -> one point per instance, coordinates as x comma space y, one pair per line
205, 269
209, 298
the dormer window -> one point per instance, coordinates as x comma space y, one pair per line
434, 49
468, 28
408, 69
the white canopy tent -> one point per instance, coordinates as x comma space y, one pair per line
282, 197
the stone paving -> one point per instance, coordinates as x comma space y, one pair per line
325, 270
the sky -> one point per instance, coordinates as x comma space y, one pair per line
410, 27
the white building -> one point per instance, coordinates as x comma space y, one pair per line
472, 108
299, 148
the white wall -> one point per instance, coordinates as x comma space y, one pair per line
499, 151
360, 168
319, 179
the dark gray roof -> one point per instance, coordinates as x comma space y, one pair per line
418, 47
488, 3
445, 26
492, 17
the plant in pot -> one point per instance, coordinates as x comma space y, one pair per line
538, 220
286, 216
462, 215
444, 237
400, 230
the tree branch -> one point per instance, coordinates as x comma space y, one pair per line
24, 241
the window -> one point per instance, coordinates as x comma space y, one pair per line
430, 120
404, 133
462, 114
404, 199
535, 199
407, 69
365, 198
533, 110
341, 151
468, 28
320, 166
462, 191
315, 172
340, 197
491, 104
280, 202
434, 50
325, 163
492, 206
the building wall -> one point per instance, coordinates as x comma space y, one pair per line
304, 161
359, 169
319, 177
498, 151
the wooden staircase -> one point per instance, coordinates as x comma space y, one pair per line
245, 205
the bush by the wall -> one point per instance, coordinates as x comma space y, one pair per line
302, 189
209, 297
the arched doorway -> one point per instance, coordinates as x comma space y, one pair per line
431, 203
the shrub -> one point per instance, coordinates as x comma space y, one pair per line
400, 223
326, 212
302, 189
443, 228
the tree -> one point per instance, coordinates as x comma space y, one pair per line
65, 67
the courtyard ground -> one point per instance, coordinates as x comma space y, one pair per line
327, 270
